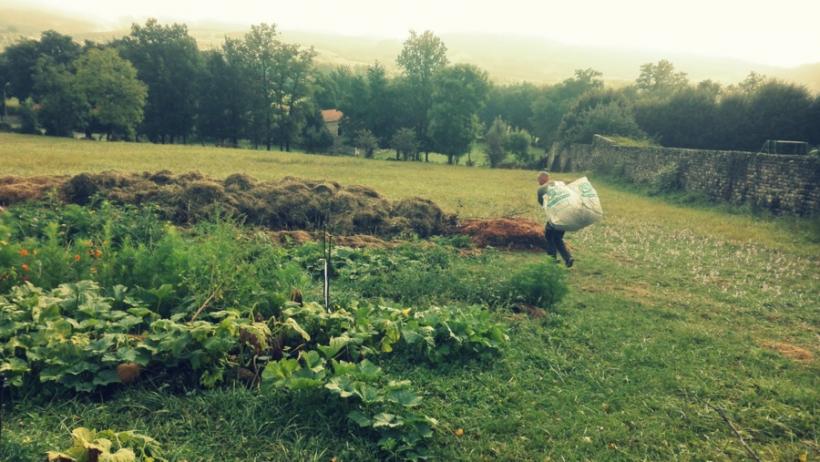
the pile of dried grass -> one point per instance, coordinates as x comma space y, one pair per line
286, 204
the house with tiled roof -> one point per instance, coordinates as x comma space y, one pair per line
333, 121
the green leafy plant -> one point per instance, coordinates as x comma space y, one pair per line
108, 446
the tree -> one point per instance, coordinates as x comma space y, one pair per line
420, 59
354, 105
814, 121
685, 119
279, 78
21, 59
315, 136
549, 107
380, 108
168, 61
405, 143
459, 92
496, 141
366, 141
223, 99
779, 110
28, 117
752, 83
512, 103
660, 78
518, 142
292, 86
110, 86
604, 112
63, 107
733, 127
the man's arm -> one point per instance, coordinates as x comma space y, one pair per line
542, 191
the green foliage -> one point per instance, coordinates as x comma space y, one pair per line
458, 93
28, 118
364, 140
120, 297
405, 143
518, 142
20, 60
549, 107
496, 141
601, 112
422, 56
169, 270
633, 142
64, 107
108, 445
513, 103
666, 180
168, 61
315, 136
416, 275
539, 284
277, 78
660, 78
110, 86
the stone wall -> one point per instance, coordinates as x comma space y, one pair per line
781, 184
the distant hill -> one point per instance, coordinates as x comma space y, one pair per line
506, 59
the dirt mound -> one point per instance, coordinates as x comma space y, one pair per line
506, 233
286, 204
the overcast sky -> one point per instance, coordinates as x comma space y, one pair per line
782, 32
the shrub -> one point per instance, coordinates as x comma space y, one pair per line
599, 112
540, 284
666, 180
518, 142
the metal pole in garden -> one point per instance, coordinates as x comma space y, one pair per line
327, 250
2, 395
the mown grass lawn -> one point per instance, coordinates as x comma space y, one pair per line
673, 312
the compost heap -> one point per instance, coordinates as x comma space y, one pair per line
519, 234
286, 204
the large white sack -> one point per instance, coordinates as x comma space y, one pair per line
574, 206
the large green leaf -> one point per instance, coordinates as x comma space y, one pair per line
335, 346
291, 324
385, 420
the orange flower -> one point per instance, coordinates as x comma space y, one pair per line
76, 258
23, 253
96, 253
24, 267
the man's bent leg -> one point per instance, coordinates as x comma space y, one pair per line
552, 248
562, 248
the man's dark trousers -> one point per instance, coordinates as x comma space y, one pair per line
555, 242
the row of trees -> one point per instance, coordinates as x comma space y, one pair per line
156, 84
76, 88
662, 105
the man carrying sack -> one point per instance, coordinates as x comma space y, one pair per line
568, 208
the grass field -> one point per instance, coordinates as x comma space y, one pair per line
673, 312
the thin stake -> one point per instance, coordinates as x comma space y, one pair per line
2, 395
327, 249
